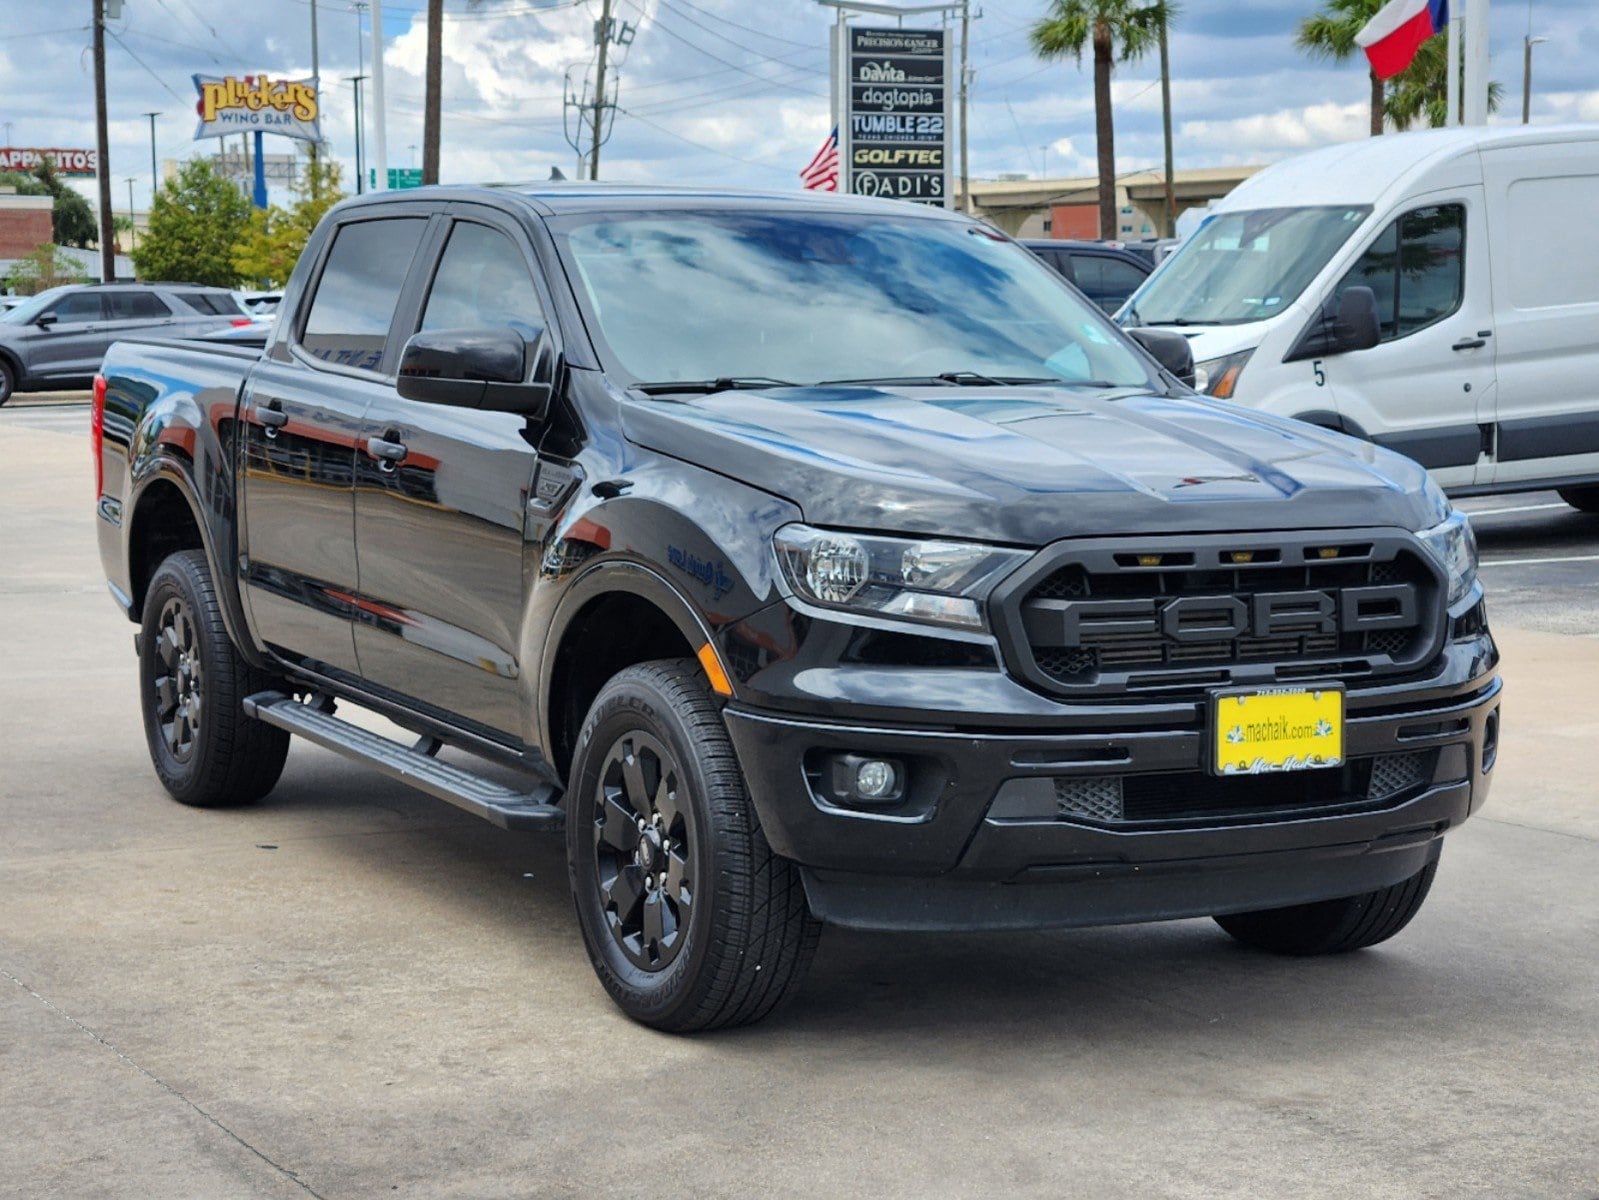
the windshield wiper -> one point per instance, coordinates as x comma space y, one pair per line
727, 383
948, 378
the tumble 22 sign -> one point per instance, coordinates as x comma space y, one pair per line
898, 114
257, 103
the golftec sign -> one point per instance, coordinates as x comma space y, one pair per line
251, 103
897, 103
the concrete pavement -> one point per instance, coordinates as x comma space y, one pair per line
351, 990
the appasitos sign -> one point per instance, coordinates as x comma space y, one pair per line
66, 162
247, 103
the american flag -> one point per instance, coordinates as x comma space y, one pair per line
821, 173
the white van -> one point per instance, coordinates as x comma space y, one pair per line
1481, 250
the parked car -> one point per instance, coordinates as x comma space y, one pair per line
260, 304
808, 559
1483, 362
1106, 274
57, 338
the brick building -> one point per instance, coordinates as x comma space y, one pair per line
24, 224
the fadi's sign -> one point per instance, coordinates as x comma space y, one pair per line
896, 101
247, 103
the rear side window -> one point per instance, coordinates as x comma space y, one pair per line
1416, 268
1107, 281
210, 303
355, 299
137, 306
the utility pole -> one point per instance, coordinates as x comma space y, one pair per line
108, 254
380, 139
1165, 119
155, 181
360, 164
430, 104
602, 34
966, 175
1527, 43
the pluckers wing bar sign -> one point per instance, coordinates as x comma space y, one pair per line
248, 103
899, 116
66, 162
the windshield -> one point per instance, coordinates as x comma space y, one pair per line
807, 298
1244, 266
32, 307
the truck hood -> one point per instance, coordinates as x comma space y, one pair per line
1027, 465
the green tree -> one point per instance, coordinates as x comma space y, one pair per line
1331, 32
1420, 94
272, 244
195, 223
72, 221
45, 267
1127, 29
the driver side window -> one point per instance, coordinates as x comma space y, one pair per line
482, 282
77, 309
1416, 269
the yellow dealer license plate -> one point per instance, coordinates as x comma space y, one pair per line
1278, 730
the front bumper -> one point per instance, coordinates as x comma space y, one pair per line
946, 861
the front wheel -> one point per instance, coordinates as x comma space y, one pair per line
8, 381
192, 685
690, 920
1334, 926
1583, 499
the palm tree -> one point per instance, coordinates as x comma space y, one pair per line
1331, 32
1420, 92
1132, 25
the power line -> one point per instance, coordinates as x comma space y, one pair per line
746, 28
697, 48
734, 42
116, 37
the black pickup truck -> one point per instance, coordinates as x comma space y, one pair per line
807, 560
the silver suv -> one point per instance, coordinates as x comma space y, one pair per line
57, 338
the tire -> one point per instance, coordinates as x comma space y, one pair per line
1334, 926
730, 935
1583, 499
192, 684
8, 380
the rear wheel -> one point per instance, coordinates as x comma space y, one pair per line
192, 685
1583, 499
690, 920
8, 380
1334, 926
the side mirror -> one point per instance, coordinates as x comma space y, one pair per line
1353, 326
1171, 350
45, 320
1356, 327
485, 369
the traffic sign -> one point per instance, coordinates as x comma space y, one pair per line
399, 177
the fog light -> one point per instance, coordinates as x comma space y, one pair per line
856, 780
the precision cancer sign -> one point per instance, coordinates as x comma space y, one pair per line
897, 114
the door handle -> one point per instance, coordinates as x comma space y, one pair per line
1473, 343
389, 454
272, 416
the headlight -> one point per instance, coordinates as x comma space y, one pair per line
1455, 547
1218, 377
935, 583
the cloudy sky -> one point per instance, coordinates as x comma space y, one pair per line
730, 92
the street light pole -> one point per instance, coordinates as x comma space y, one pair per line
130, 211
360, 164
380, 133
155, 180
1527, 43
966, 178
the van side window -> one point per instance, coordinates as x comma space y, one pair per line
1416, 268
360, 287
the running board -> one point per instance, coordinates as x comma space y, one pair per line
493, 802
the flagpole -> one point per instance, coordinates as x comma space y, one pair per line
1475, 106
1453, 58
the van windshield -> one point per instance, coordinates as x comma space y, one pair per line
1244, 266
803, 298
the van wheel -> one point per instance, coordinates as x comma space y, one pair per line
690, 920
1334, 926
192, 685
1583, 499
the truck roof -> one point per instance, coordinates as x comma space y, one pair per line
1364, 171
553, 197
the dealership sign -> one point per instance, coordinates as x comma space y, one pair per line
257, 104
66, 162
896, 100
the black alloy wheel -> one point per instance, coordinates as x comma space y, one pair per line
179, 682
644, 850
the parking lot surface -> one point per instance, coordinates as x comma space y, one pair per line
351, 990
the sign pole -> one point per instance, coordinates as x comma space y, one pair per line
380, 141
1452, 57
1475, 99
260, 173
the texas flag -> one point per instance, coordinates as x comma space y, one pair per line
1392, 37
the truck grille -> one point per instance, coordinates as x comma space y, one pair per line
1183, 616
1381, 781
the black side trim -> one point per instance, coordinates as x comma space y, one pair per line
1448, 446
1548, 437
